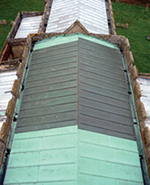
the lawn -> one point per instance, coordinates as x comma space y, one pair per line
137, 17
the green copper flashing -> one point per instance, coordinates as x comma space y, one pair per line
136, 127
14, 123
62, 39
69, 154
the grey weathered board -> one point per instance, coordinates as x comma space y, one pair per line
80, 82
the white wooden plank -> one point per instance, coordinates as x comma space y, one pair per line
145, 98
6, 83
28, 25
92, 15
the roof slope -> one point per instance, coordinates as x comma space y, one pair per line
63, 156
145, 89
28, 25
67, 131
77, 78
93, 16
6, 81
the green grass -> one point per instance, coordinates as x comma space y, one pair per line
138, 19
136, 16
9, 10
